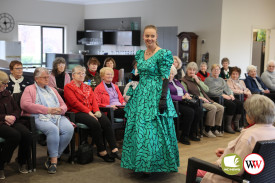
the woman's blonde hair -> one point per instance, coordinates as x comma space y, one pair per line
260, 109
4, 78
192, 65
78, 67
179, 61
214, 66
103, 71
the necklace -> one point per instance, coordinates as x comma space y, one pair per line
150, 53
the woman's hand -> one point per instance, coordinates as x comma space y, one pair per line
266, 91
124, 103
9, 119
114, 107
219, 152
91, 114
226, 97
232, 97
196, 78
186, 96
204, 99
54, 110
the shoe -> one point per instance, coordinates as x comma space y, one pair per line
116, 155
52, 168
218, 134
193, 138
23, 168
208, 134
106, 158
2, 175
185, 140
47, 163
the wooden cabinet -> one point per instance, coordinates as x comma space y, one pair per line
188, 46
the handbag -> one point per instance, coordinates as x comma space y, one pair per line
194, 102
85, 153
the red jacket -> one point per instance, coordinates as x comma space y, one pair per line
102, 96
115, 79
201, 76
75, 101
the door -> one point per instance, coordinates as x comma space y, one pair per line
167, 38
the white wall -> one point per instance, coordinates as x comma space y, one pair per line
45, 13
238, 20
200, 16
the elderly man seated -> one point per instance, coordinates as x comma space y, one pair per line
268, 76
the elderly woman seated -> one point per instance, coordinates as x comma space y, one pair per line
59, 77
81, 100
202, 74
255, 84
237, 85
46, 105
108, 94
196, 87
268, 76
260, 112
224, 73
234, 107
92, 76
12, 130
111, 63
17, 82
177, 63
191, 115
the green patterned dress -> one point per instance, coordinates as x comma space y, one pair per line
150, 142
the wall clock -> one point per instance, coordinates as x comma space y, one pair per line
188, 46
6, 23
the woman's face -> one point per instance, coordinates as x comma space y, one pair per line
17, 71
150, 37
93, 67
216, 72
191, 72
135, 66
271, 67
110, 64
60, 68
43, 79
225, 65
252, 73
203, 68
108, 76
3, 86
176, 64
235, 75
79, 75
171, 77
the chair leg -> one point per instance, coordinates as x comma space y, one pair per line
191, 173
34, 154
72, 144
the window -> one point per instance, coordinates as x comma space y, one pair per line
38, 40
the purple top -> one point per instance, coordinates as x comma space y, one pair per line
113, 95
173, 90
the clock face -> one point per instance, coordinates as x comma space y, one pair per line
185, 44
6, 23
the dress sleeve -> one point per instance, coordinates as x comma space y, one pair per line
138, 55
164, 63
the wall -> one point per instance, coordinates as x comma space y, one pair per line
200, 16
238, 20
46, 13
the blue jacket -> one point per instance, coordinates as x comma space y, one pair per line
252, 85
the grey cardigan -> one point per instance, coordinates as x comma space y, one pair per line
217, 87
269, 79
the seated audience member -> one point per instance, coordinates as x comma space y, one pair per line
59, 77
17, 82
92, 76
177, 63
225, 69
46, 105
110, 62
193, 85
260, 111
190, 115
234, 107
202, 74
268, 76
12, 130
131, 85
255, 84
237, 85
108, 94
81, 100
134, 73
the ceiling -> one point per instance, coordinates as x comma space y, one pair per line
88, 2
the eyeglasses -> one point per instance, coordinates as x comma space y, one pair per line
80, 73
5, 83
61, 65
271, 66
45, 77
20, 68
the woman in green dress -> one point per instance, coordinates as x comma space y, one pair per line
150, 142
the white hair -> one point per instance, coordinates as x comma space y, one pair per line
173, 70
179, 61
260, 109
251, 67
192, 65
38, 71
203, 63
270, 62
78, 67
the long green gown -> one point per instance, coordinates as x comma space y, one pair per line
150, 142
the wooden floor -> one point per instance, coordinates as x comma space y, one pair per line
204, 149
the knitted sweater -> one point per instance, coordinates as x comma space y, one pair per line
217, 87
269, 79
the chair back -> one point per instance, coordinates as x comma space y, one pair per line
266, 149
17, 97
